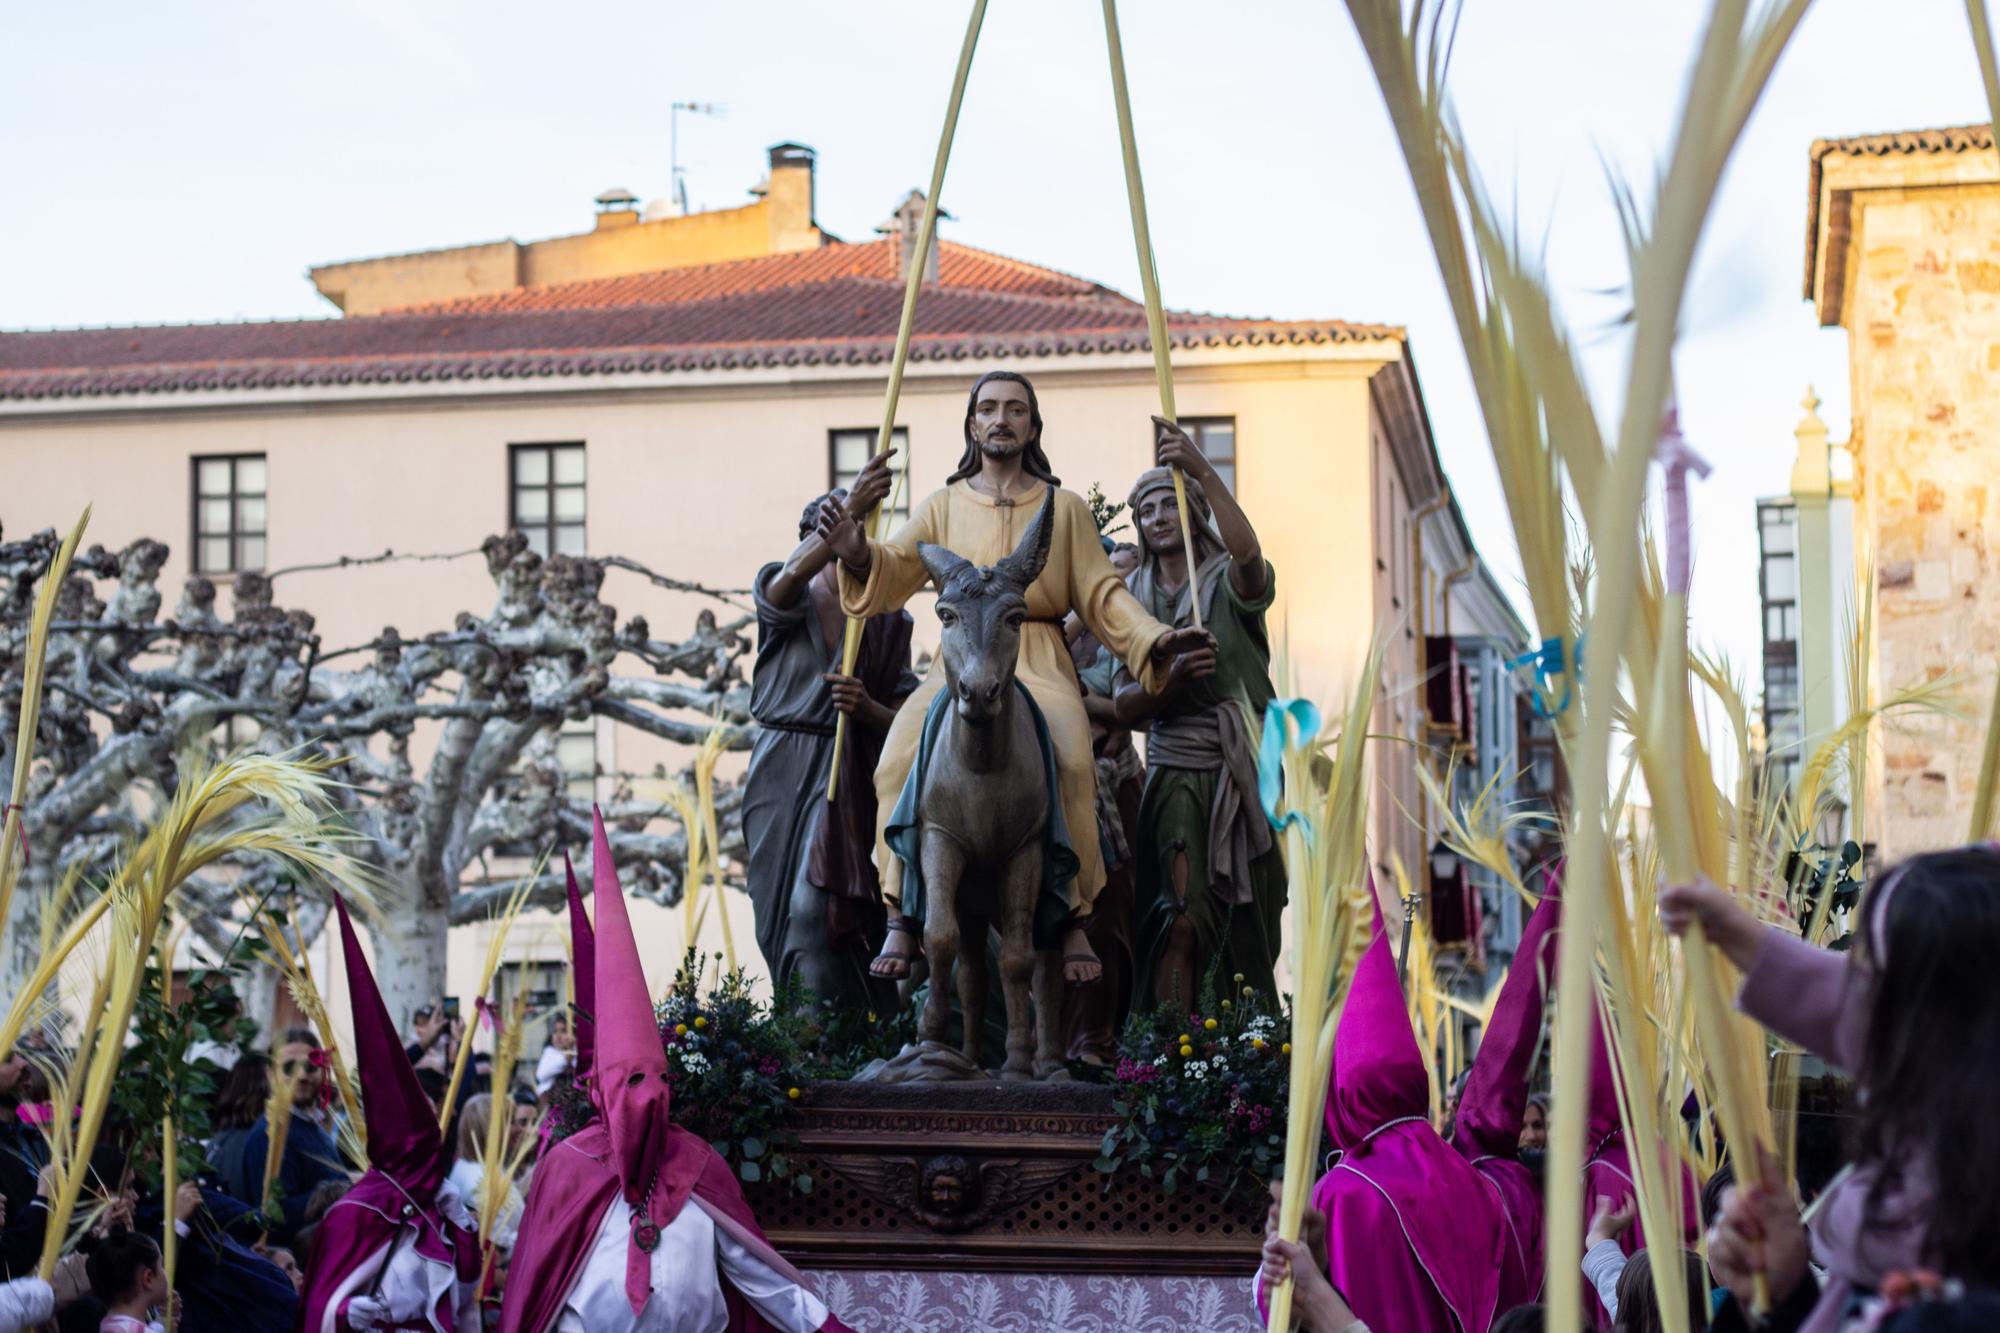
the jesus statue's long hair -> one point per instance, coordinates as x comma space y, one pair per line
1033, 461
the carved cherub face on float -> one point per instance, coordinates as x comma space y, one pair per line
946, 1185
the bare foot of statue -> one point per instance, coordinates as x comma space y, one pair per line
1081, 965
899, 950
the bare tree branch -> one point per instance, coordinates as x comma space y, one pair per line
485, 698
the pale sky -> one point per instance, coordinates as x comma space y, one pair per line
167, 163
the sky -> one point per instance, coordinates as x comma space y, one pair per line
173, 163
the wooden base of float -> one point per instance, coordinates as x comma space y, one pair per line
990, 1177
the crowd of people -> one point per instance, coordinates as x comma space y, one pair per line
1896, 1229
243, 1248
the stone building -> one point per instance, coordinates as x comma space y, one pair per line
1903, 251
676, 389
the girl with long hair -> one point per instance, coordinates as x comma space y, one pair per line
1910, 1011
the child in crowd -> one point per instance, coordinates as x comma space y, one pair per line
129, 1278
1909, 1010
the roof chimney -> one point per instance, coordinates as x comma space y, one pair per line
617, 207
903, 227
789, 192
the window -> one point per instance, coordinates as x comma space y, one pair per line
848, 451
229, 517
1399, 514
1778, 588
1216, 438
545, 497
576, 753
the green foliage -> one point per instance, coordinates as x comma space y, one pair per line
156, 1075
1105, 512
739, 1066
1201, 1097
1814, 870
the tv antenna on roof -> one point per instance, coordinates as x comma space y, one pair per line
679, 181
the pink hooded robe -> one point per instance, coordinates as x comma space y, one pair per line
395, 1202
1415, 1239
1487, 1129
1607, 1170
630, 1147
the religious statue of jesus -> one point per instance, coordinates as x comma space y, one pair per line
986, 504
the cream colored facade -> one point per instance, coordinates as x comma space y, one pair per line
1904, 253
701, 474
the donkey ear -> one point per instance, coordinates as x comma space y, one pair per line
1032, 555
943, 565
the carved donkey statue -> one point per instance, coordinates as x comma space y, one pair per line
983, 808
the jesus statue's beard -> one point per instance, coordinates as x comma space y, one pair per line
1001, 450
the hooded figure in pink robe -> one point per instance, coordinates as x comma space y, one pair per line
1607, 1167
1487, 1130
389, 1254
632, 1224
1415, 1239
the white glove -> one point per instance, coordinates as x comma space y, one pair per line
365, 1313
451, 1205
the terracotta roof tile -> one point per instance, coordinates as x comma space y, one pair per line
835, 305
958, 266
1944, 139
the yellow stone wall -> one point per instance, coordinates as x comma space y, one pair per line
778, 223
1922, 310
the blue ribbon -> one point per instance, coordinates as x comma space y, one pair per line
1271, 754
1550, 660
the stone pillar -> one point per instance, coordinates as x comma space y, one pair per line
1821, 496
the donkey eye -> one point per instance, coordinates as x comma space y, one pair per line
947, 617
1015, 619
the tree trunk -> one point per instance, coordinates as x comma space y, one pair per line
410, 953
22, 947
257, 988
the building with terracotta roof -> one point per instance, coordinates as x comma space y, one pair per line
676, 388
1903, 251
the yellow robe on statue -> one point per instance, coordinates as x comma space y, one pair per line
1078, 577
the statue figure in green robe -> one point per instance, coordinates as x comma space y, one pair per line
1211, 879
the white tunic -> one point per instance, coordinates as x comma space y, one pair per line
409, 1287
689, 1263
470, 1178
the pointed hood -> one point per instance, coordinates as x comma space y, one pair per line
1495, 1099
1378, 1072
403, 1139
1413, 1232
630, 1086
583, 975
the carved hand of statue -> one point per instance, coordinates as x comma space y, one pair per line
1173, 448
839, 530
871, 486
848, 695
1186, 669
1178, 641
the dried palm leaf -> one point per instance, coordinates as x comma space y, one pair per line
13, 838
1323, 810
496, 945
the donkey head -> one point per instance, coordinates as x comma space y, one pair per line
981, 612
